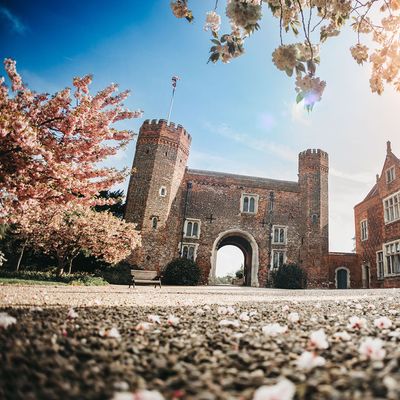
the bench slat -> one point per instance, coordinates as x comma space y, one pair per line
147, 281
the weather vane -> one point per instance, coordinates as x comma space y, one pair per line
175, 79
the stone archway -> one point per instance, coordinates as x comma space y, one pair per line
247, 244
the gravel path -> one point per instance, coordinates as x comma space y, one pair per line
113, 295
197, 351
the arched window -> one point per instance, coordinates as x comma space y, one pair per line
189, 251
249, 203
163, 191
192, 228
189, 226
246, 204
185, 252
252, 206
195, 229
155, 222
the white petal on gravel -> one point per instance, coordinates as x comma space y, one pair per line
309, 360
383, 322
293, 317
274, 329
230, 322
373, 349
155, 318
283, 390
318, 339
6, 320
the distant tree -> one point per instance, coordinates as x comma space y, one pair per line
65, 232
314, 22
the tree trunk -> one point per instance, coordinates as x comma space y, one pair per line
21, 255
60, 265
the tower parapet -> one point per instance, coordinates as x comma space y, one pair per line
158, 131
160, 160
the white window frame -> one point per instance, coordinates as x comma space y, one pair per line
391, 208
162, 188
194, 246
391, 251
364, 230
380, 264
280, 227
185, 228
390, 174
249, 196
273, 257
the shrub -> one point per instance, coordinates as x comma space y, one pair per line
290, 276
117, 275
181, 271
239, 274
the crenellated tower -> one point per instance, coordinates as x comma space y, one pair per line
313, 182
158, 168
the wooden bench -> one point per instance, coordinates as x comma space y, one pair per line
140, 276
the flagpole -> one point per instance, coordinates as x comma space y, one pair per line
174, 80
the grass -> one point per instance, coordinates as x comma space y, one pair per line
16, 281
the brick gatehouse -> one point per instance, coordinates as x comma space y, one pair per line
193, 213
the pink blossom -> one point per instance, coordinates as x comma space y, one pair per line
373, 349
72, 313
309, 360
285, 308
143, 326
356, 323
274, 329
383, 322
110, 333
283, 390
172, 320
318, 340
6, 320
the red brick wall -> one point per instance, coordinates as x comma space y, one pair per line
372, 209
349, 261
160, 159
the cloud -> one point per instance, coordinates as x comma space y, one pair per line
265, 146
16, 24
299, 114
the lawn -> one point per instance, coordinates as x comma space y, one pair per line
15, 281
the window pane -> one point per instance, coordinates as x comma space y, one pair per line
252, 207
195, 229
189, 229
154, 222
280, 258
191, 253
245, 204
185, 252
276, 235
281, 235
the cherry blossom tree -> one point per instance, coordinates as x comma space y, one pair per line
51, 147
64, 232
313, 22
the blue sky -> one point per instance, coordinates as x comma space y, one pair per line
241, 115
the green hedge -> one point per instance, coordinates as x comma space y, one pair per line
290, 276
181, 271
73, 279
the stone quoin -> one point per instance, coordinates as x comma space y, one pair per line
193, 213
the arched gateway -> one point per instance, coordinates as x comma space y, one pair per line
247, 244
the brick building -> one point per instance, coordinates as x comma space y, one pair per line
377, 227
194, 213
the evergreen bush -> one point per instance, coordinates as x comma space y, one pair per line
181, 271
289, 276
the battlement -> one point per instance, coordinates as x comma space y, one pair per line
314, 153
160, 127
